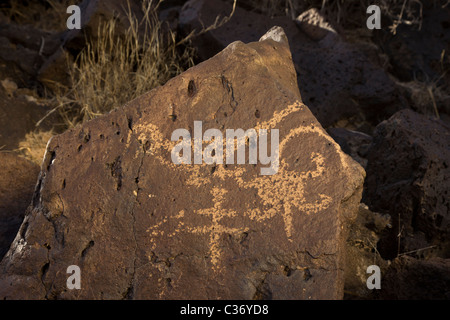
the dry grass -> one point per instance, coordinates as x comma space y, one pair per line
116, 68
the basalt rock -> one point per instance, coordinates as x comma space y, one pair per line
111, 201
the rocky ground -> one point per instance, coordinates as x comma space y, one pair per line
381, 95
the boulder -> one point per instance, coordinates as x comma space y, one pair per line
111, 200
408, 176
337, 79
355, 144
18, 177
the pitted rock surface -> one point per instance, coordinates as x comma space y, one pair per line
111, 201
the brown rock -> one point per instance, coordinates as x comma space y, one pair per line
408, 176
111, 200
17, 180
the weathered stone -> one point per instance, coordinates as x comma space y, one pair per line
337, 79
18, 177
408, 278
408, 176
111, 200
355, 144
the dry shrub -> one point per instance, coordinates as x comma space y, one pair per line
115, 68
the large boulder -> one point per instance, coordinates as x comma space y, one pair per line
111, 200
408, 176
18, 177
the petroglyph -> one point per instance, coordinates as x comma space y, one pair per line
282, 195
216, 229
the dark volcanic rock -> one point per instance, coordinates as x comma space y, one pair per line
408, 278
408, 176
111, 200
18, 177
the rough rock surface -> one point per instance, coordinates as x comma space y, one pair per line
337, 79
408, 278
18, 177
111, 201
408, 176
19, 114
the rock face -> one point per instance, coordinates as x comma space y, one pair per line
408, 176
111, 201
17, 180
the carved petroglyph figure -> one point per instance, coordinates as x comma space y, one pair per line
281, 193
